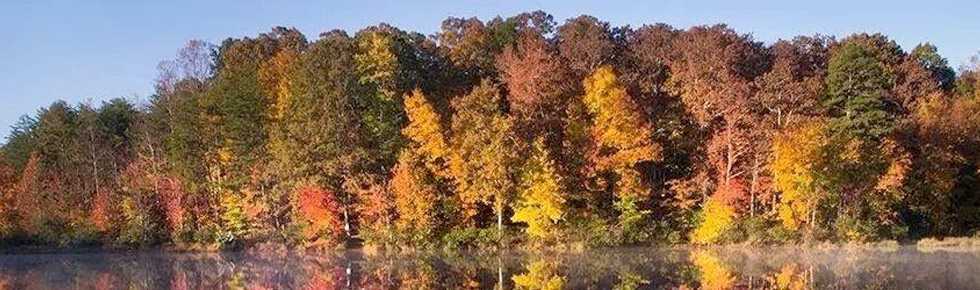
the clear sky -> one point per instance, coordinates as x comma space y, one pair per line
95, 50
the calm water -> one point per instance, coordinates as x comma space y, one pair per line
766, 268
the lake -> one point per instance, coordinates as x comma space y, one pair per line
633, 268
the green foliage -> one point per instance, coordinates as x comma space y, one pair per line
856, 84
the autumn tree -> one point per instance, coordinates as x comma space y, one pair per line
795, 166
426, 133
417, 199
390, 63
712, 70
789, 94
8, 190
471, 49
538, 86
322, 138
484, 144
623, 141
320, 214
541, 198
586, 43
423, 170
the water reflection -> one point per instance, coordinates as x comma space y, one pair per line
774, 268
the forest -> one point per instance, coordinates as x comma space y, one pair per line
512, 132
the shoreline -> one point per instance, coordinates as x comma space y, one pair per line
951, 244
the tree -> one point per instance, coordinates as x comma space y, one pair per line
622, 134
541, 202
717, 214
795, 169
417, 198
623, 141
319, 211
484, 145
471, 47
322, 141
8, 190
390, 63
20, 143
712, 71
586, 43
426, 133
791, 90
538, 86
928, 56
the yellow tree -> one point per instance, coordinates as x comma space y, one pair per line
718, 217
426, 133
542, 201
484, 152
623, 140
794, 153
422, 168
619, 127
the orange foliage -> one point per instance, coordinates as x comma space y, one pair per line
415, 195
318, 208
533, 74
100, 215
375, 207
731, 193
8, 188
27, 199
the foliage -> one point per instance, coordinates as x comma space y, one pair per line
541, 202
578, 134
796, 172
319, 212
717, 218
484, 155
540, 275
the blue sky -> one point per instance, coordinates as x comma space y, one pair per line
96, 50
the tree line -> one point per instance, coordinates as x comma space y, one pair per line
512, 131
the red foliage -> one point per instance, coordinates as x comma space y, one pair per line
319, 209
172, 196
732, 193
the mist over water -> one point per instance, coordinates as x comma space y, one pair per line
634, 268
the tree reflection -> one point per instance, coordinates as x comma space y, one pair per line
540, 274
714, 275
717, 268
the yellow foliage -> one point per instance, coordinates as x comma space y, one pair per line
377, 62
541, 275
618, 120
277, 78
542, 202
718, 218
793, 154
484, 153
790, 277
714, 274
425, 130
630, 184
